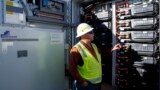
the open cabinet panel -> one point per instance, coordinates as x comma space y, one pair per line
135, 25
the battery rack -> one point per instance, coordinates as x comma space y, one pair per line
103, 37
137, 26
102, 26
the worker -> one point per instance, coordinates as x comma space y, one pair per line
85, 60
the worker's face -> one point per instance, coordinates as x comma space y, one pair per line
90, 35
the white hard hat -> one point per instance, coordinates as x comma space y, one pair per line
83, 28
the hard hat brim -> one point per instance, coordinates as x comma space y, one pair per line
84, 32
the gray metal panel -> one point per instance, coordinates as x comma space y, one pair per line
46, 20
14, 9
1, 11
41, 69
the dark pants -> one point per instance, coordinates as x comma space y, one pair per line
89, 87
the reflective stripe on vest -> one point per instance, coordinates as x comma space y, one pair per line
91, 69
83, 52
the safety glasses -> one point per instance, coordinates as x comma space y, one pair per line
91, 32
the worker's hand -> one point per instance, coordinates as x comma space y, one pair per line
85, 84
116, 47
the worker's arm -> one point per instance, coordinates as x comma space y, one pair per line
116, 47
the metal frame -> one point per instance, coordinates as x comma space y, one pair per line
1, 11
159, 42
114, 42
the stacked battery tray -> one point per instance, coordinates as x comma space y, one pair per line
137, 32
103, 37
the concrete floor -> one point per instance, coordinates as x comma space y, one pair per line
104, 86
107, 87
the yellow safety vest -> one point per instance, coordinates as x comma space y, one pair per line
92, 68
